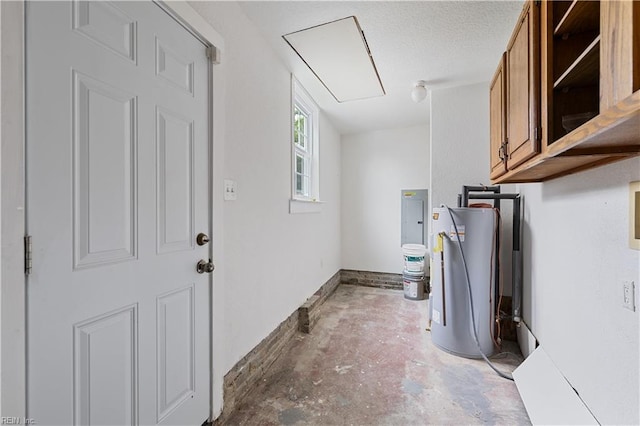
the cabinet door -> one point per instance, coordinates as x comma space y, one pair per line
523, 87
498, 120
620, 51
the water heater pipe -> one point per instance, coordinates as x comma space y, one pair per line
493, 193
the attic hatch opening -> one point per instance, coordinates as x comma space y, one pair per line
338, 55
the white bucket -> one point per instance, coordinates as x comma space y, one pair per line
414, 257
413, 283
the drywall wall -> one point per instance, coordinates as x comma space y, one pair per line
376, 166
272, 260
459, 141
576, 257
460, 155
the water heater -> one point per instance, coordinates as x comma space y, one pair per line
451, 324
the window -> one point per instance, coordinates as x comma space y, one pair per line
305, 138
302, 121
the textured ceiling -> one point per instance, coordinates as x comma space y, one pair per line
445, 43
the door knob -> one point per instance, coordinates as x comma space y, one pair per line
202, 239
203, 266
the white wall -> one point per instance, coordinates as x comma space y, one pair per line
460, 154
376, 166
459, 141
272, 261
576, 258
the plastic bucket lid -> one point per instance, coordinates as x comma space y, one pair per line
414, 246
414, 250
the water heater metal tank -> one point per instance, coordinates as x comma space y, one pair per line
451, 326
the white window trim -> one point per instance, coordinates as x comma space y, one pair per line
300, 204
305, 206
303, 149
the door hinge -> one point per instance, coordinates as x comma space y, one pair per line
213, 54
502, 152
505, 149
536, 133
28, 254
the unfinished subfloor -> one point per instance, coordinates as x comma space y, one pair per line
370, 361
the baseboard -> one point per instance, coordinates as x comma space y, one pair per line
309, 313
371, 279
244, 375
247, 372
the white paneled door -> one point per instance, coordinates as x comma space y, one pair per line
117, 190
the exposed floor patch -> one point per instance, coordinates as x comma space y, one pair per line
411, 387
370, 361
465, 386
291, 416
343, 369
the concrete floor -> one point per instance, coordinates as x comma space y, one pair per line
370, 361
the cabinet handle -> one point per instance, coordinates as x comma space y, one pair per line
501, 153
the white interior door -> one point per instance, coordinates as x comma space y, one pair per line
117, 190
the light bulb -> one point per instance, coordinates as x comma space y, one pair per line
419, 92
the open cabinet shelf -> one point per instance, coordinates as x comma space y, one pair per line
574, 65
584, 71
580, 16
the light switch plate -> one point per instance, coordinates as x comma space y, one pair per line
629, 295
230, 190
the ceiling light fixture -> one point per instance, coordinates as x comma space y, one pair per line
419, 92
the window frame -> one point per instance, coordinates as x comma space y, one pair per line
301, 100
303, 150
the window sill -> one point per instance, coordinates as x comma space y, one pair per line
305, 206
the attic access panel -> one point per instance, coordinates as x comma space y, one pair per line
338, 54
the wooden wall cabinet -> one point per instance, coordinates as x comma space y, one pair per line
620, 52
514, 96
498, 120
523, 87
590, 90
